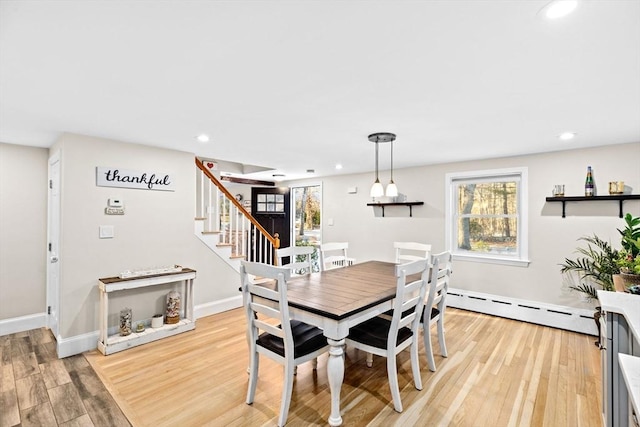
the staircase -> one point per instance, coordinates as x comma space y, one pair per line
226, 227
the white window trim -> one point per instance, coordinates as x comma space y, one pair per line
523, 216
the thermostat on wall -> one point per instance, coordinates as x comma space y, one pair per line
114, 207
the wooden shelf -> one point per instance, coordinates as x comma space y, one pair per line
108, 344
410, 204
616, 197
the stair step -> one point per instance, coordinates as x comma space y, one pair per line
200, 218
211, 232
224, 245
236, 256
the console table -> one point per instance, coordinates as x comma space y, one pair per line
108, 344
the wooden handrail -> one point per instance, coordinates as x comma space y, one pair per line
275, 241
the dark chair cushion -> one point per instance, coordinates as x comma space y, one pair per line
434, 313
375, 332
306, 339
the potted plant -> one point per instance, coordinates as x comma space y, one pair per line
597, 266
604, 266
629, 256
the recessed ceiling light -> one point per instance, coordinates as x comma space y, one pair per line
311, 171
558, 8
567, 136
338, 166
203, 137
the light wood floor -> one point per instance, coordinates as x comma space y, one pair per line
499, 373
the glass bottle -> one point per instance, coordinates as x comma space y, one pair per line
588, 183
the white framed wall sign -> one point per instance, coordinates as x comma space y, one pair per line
143, 180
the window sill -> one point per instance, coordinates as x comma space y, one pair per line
492, 260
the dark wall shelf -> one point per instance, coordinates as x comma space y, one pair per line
618, 197
410, 204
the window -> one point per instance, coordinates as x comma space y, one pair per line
306, 218
270, 203
306, 206
487, 216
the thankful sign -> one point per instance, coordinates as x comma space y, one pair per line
145, 180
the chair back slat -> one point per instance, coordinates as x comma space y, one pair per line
410, 296
411, 251
334, 255
257, 296
296, 266
439, 282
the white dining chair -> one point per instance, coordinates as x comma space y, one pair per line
287, 342
384, 337
435, 306
299, 259
334, 255
411, 251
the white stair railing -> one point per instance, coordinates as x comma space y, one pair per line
225, 218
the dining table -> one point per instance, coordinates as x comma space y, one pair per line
336, 300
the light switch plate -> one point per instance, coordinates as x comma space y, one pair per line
106, 231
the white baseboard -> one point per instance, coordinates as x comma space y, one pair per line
556, 316
77, 344
215, 307
22, 323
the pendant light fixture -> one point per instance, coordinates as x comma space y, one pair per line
376, 189
392, 190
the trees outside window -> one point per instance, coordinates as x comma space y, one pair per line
487, 219
307, 206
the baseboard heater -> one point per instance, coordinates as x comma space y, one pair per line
556, 316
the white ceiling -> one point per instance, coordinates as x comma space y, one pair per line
297, 85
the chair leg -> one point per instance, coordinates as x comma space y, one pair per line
253, 376
287, 389
443, 345
369, 360
392, 373
415, 364
314, 363
428, 350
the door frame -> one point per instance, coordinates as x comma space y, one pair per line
53, 238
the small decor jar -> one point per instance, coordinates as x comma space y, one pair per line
173, 307
157, 320
125, 321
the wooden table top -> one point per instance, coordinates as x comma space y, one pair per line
342, 292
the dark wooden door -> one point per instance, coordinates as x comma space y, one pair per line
271, 207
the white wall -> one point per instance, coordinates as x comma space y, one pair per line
551, 238
156, 230
23, 230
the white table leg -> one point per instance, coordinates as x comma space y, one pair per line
335, 374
